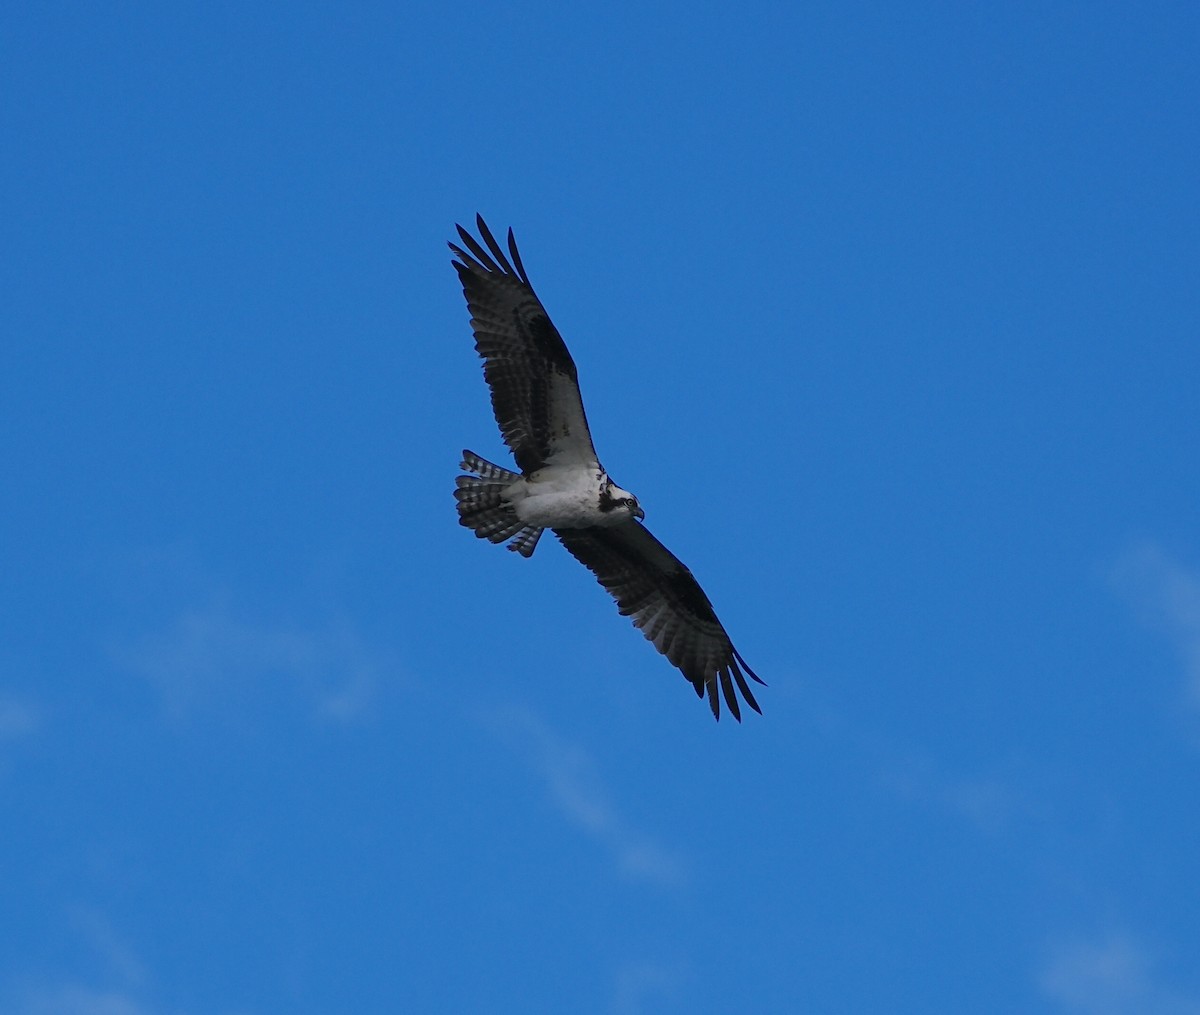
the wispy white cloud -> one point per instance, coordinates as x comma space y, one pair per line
80, 999
1111, 975
114, 954
644, 986
215, 658
18, 718
116, 982
1167, 595
73, 999
990, 801
575, 786
987, 802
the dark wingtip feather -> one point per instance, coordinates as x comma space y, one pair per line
463, 234
745, 689
713, 701
746, 666
516, 256
478, 258
730, 697
743, 686
496, 250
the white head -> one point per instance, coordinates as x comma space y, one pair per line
617, 503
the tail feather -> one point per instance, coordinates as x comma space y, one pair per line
482, 508
481, 467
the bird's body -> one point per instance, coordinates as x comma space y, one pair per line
563, 487
561, 497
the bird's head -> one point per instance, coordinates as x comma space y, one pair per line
618, 503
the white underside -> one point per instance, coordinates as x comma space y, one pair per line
556, 497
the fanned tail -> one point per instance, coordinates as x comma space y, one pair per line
482, 508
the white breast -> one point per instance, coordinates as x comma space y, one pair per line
559, 498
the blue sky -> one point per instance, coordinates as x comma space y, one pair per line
886, 312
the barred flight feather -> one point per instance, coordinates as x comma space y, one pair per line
664, 601
529, 371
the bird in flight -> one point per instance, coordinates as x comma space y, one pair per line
563, 487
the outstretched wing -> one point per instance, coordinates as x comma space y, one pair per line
535, 389
651, 585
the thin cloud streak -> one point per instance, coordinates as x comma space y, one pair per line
1113, 975
210, 658
76, 1000
575, 787
989, 804
120, 984
18, 718
102, 938
642, 987
1167, 595
80, 999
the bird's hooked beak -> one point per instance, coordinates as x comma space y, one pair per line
638, 513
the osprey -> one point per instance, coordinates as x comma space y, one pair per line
562, 485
